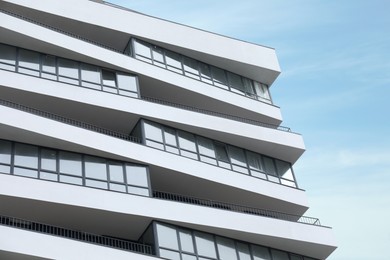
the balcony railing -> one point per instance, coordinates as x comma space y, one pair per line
76, 235
212, 113
236, 208
60, 31
69, 121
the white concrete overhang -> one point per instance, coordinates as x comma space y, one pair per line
127, 216
173, 169
95, 21
154, 81
120, 114
18, 244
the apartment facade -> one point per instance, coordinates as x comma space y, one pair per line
125, 136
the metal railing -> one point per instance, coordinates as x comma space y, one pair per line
208, 112
76, 235
69, 121
236, 208
61, 31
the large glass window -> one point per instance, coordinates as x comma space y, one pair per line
29, 62
158, 56
226, 249
90, 73
167, 237
48, 160
70, 163
5, 152
219, 77
49, 67
206, 150
261, 253
205, 245
191, 68
186, 242
173, 61
68, 71
187, 145
279, 255
95, 168
243, 251
127, 85
236, 83
237, 158
7, 57
26, 155
142, 51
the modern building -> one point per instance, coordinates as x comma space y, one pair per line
125, 136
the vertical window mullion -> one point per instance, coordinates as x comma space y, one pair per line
12, 157
125, 176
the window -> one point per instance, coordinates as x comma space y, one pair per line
279, 255
173, 62
142, 51
260, 253
187, 245
7, 57
226, 249
26, 155
5, 151
158, 56
49, 67
206, 150
90, 76
187, 145
167, 237
205, 73
70, 163
237, 158
68, 71
109, 78
127, 83
191, 68
219, 77
95, 168
205, 245
222, 157
28, 62
48, 160
236, 83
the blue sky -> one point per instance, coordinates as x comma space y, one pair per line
334, 89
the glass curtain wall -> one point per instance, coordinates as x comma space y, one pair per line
198, 70
68, 71
73, 168
213, 152
176, 243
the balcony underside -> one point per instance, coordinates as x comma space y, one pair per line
87, 209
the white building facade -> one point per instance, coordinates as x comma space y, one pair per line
124, 136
